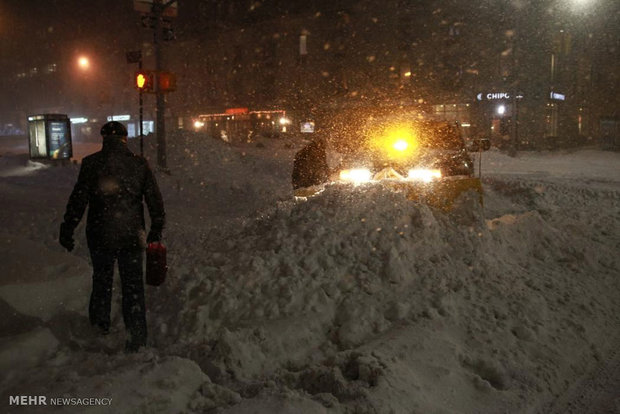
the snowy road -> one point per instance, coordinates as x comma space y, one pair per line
348, 302
19, 145
596, 393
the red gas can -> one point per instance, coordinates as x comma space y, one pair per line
156, 266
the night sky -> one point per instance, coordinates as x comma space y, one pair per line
115, 23
36, 28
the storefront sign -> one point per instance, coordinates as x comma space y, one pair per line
236, 111
307, 127
495, 96
557, 96
119, 118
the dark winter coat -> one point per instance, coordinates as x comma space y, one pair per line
113, 182
310, 165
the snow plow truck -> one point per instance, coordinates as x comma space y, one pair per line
427, 159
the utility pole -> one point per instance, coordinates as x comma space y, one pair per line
156, 81
514, 131
136, 57
516, 75
141, 100
160, 107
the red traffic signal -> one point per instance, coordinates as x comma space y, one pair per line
145, 80
167, 81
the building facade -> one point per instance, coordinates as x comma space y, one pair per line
521, 76
527, 75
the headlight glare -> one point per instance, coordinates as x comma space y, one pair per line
424, 175
356, 175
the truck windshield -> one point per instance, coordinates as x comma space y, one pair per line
441, 136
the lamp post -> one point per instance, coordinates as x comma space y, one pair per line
82, 84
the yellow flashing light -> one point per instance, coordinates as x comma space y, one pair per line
401, 145
397, 141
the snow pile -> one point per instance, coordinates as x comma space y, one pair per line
356, 300
17, 165
316, 294
134, 383
304, 258
212, 178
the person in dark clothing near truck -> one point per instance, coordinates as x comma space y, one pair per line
310, 164
113, 184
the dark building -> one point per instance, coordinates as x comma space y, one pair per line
489, 65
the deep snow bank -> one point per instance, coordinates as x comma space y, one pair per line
354, 297
213, 181
354, 301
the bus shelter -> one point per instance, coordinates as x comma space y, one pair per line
49, 137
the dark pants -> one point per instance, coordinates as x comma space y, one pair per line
130, 269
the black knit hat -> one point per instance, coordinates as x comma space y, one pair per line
113, 128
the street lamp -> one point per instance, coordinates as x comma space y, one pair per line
83, 63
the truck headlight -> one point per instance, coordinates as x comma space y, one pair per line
356, 175
423, 174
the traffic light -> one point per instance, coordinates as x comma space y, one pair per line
167, 81
145, 80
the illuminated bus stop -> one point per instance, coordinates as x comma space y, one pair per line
49, 137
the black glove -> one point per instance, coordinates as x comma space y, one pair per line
154, 236
66, 237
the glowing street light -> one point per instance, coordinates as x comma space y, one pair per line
83, 63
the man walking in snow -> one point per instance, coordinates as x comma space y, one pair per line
113, 184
